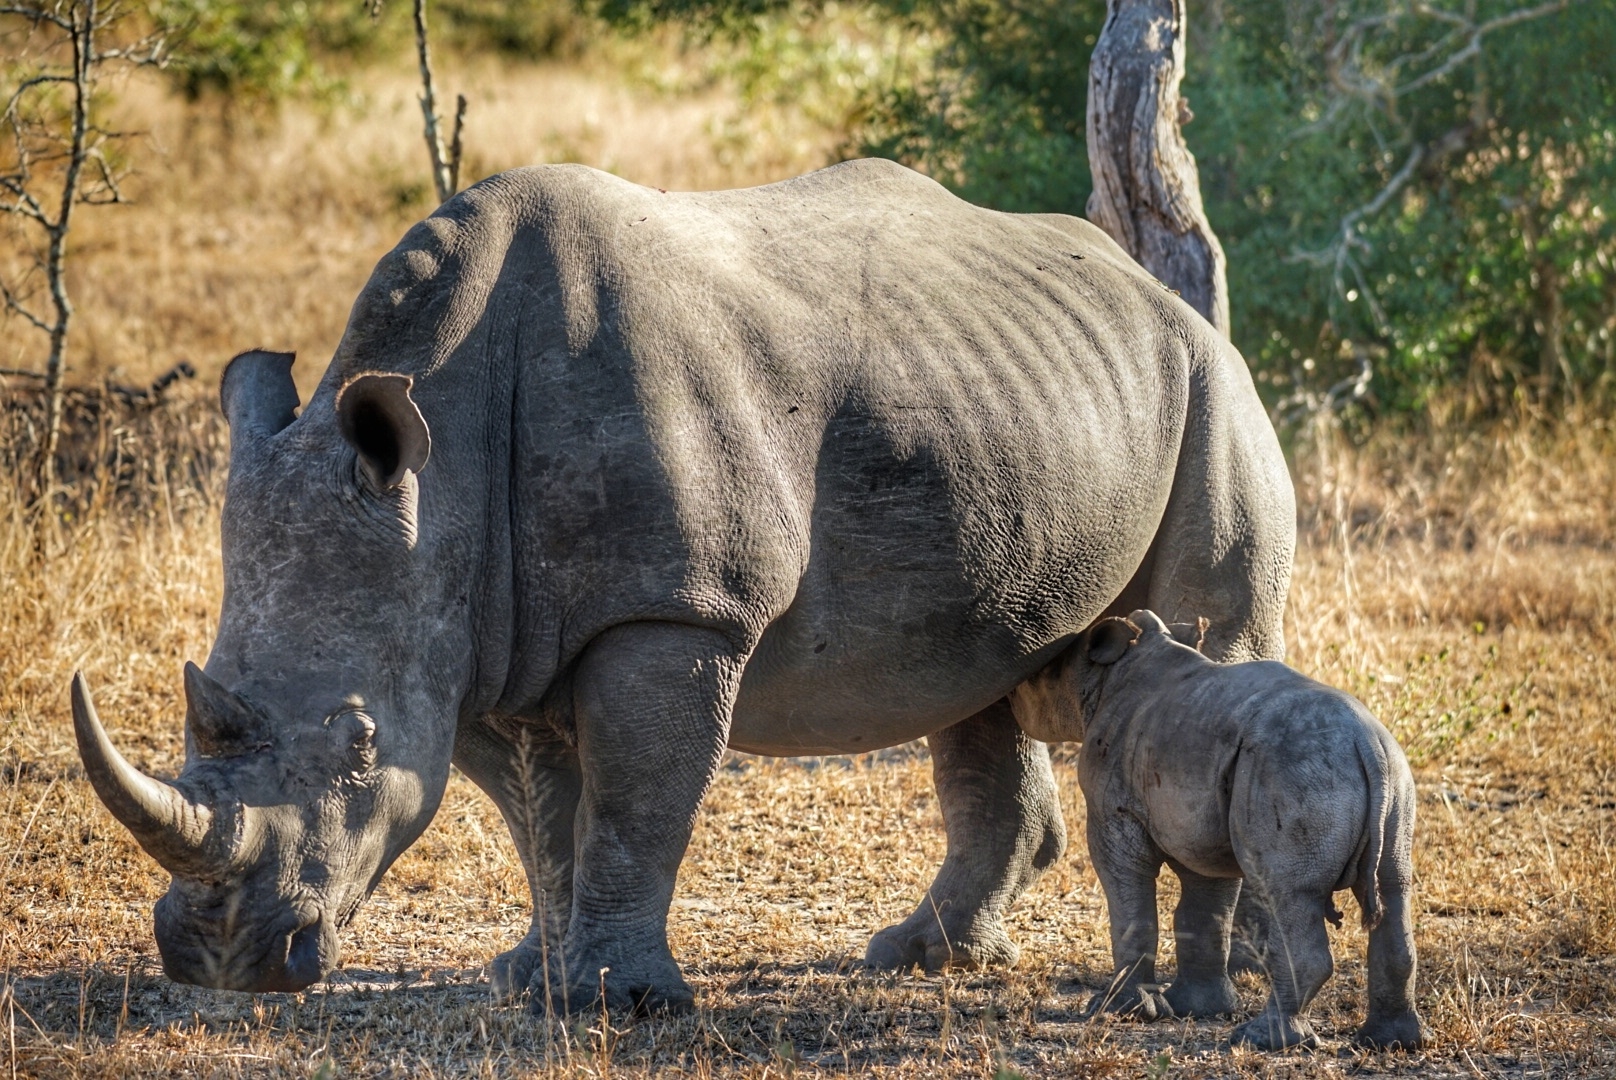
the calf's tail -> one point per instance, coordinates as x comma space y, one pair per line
1372, 756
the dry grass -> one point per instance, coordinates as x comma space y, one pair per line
259, 230
1464, 585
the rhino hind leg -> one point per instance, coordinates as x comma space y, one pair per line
652, 704
1002, 814
1392, 1022
1299, 964
1201, 927
533, 777
1248, 943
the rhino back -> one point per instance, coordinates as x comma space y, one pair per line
901, 445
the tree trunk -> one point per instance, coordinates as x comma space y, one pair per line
83, 38
1147, 193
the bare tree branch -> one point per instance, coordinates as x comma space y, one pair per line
14, 305
445, 167
455, 147
429, 108
25, 205
36, 14
55, 146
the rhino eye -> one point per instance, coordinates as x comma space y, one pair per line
353, 736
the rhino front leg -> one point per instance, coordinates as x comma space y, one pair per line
1127, 862
1201, 925
652, 703
1003, 819
532, 775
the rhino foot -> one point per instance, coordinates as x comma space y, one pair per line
510, 973
1269, 1031
901, 947
1141, 1001
632, 987
1402, 1031
623, 997
1203, 997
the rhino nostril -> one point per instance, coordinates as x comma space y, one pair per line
310, 953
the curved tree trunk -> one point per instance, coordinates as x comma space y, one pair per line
1147, 193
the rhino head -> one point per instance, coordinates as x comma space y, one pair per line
319, 736
1057, 704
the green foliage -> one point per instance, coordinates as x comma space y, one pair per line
1000, 115
1488, 266
261, 50
296, 47
1387, 196
525, 29
827, 62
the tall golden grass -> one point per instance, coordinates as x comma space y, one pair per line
1462, 582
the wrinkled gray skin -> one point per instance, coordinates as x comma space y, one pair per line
1224, 772
818, 467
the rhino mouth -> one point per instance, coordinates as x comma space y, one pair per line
301, 951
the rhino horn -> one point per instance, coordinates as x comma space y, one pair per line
221, 723
172, 828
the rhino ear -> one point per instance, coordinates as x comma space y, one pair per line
258, 394
1148, 622
381, 422
1109, 640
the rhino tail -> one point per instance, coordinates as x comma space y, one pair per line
1372, 756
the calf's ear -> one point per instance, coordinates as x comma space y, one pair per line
1109, 639
380, 420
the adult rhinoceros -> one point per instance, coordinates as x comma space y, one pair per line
602, 480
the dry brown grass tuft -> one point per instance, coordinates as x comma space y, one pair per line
1463, 584
250, 230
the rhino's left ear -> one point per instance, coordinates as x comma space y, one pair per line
380, 420
1109, 640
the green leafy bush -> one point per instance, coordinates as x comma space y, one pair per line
1487, 266
278, 48
261, 50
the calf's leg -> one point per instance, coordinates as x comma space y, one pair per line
1299, 963
1201, 926
1127, 862
532, 775
1392, 1021
652, 702
1003, 818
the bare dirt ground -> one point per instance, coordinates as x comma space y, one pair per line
1462, 584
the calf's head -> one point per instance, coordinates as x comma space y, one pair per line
1057, 704
318, 739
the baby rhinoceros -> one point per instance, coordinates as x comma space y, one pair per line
1227, 772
